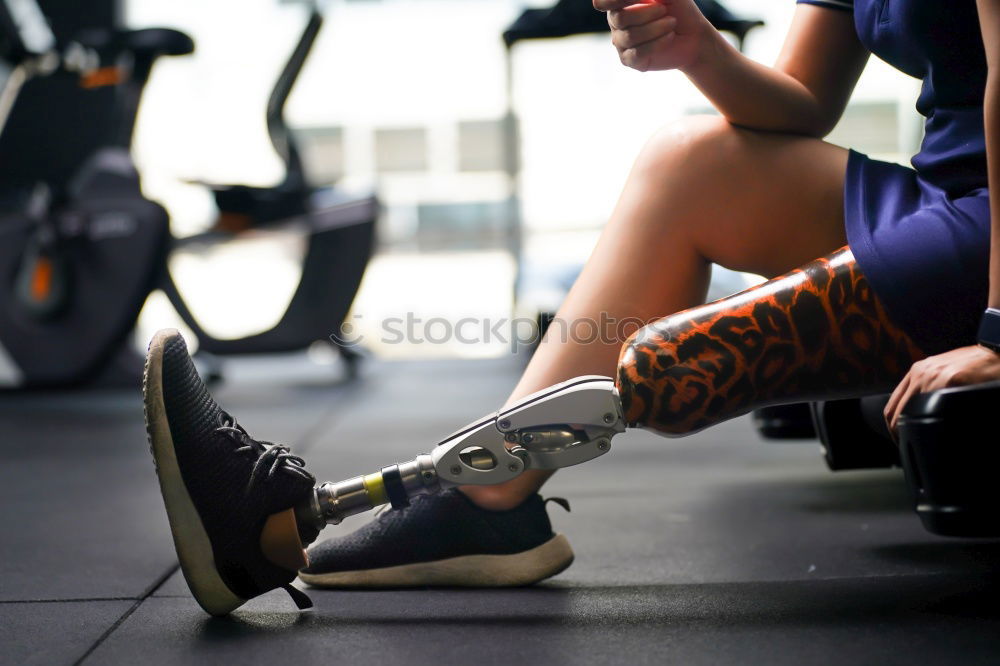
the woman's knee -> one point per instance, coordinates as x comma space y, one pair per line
692, 142
773, 201
687, 172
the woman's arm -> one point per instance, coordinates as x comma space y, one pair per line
989, 21
973, 364
804, 93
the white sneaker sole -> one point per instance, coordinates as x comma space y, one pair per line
525, 568
194, 550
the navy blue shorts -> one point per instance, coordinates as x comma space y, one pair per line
925, 253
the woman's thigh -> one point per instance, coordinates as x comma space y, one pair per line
753, 201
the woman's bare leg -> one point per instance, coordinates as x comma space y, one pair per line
701, 191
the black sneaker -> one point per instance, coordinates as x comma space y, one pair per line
219, 485
444, 540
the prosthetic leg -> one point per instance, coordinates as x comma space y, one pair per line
818, 331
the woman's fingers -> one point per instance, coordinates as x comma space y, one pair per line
912, 389
639, 35
639, 57
638, 30
620, 19
965, 365
895, 401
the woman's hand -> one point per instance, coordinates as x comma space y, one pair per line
958, 367
656, 34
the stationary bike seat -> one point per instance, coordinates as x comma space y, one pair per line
951, 458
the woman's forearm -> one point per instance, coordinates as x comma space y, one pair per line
753, 95
806, 90
991, 117
989, 23
804, 93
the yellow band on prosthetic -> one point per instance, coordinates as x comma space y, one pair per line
375, 488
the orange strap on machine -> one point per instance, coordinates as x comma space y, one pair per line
41, 279
105, 76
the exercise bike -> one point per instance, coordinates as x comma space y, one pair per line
340, 232
80, 244
82, 247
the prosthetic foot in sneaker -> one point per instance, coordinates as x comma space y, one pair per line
444, 540
230, 499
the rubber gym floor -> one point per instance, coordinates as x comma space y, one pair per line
716, 548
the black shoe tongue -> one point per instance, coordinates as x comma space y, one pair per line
307, 534
301, 599
305, 523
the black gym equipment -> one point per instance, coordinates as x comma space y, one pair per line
792, 421
951, 459
81, 247
944, 448
340, 232
80, 244
853, 433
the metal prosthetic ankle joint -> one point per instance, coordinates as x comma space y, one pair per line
560, 426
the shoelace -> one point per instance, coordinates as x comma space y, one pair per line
269, 457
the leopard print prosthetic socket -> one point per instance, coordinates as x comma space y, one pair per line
818, 332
